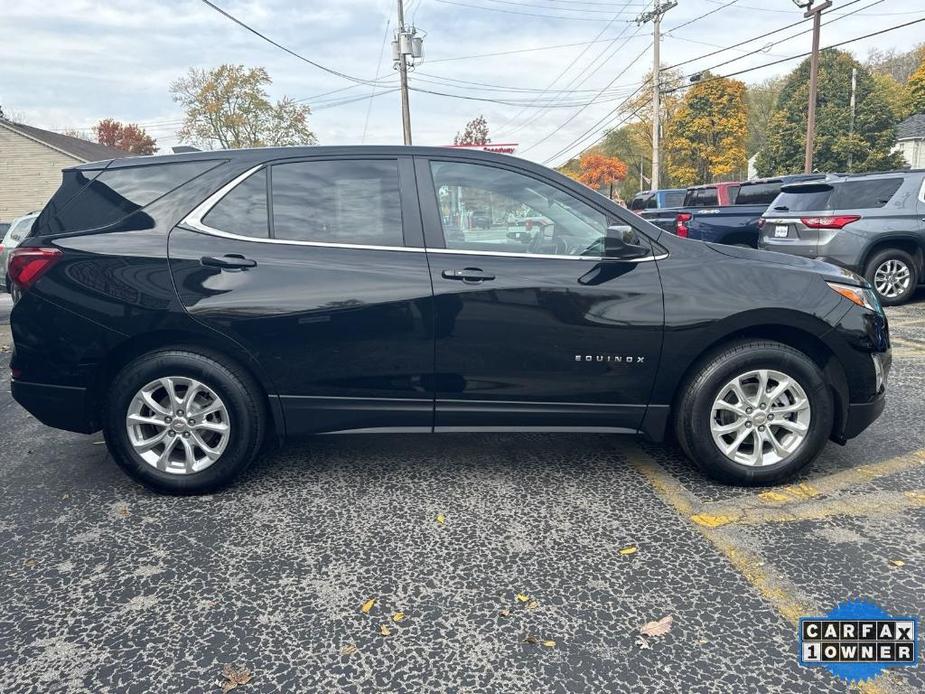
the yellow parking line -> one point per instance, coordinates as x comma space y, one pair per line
782, 594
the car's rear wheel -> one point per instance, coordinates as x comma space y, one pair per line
893, 275
755, 412
182, 422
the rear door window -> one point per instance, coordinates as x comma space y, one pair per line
243, 210
674, 198
348, 201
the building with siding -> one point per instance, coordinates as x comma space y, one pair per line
31, 160
910, 140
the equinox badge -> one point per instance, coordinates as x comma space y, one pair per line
611, 358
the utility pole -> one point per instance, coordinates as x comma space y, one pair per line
406, 44
853, 102
816, 14
403, 77
655, 16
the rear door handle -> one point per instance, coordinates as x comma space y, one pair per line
232, 261
469, 274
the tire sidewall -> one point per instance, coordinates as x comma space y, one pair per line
893, 254
720, 372
245, 429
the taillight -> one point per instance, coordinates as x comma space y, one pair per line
680, 223
26, 265
833, 222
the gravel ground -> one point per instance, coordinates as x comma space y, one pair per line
108, 588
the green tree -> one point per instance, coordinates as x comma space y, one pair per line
475, 133
631, 143
639, 108
761, 99
874, 130
229, 107
706, 139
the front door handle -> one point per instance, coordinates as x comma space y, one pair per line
232, 261
469, 274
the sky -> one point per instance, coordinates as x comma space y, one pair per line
69, 63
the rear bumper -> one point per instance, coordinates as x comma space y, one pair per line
62, 407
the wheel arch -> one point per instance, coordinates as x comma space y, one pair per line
800, 338
133, 347
908, 243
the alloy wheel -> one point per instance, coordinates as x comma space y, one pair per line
892, 278
178, 425
760, 417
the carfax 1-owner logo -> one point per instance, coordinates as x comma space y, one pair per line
858, 640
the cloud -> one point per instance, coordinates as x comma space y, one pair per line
70, 63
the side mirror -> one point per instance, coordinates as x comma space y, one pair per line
622, 243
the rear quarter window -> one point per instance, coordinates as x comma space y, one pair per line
674, 198
93, 200
867, 195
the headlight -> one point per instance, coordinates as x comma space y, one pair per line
865, 298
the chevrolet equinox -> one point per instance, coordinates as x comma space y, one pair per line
198, 306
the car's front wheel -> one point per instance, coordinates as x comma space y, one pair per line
182, 422
755, 412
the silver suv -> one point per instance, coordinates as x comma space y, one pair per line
873, 224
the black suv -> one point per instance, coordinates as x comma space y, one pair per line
198, 306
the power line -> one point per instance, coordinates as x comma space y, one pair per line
579, 111
527, 14
769, 33
520, 50
706, 14
800, 55
547, 7
369, 108
284, 48
568, 67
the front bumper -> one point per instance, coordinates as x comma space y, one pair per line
62, 407
862, 414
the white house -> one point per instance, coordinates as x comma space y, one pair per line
910, 140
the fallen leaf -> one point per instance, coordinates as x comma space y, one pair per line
368, 605
234, 677
384, 630
629, 549
549, 643
657, 628
441, 519
505, 612
533, 604
398, 616
642, 643
897, 562
531, 639
122, 511
349, 649
30, 563
522, 598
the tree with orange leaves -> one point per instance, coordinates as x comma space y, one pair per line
597, 171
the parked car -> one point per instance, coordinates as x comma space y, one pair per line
195, 306
873, 224
481, 220
657, 199
16, 232
735, 224
695, 197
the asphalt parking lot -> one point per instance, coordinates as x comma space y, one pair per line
109, 588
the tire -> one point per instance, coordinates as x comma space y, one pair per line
241, 411
898, 265
697, 413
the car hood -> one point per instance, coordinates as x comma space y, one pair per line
830, 272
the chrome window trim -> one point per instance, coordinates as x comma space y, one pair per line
194, 221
